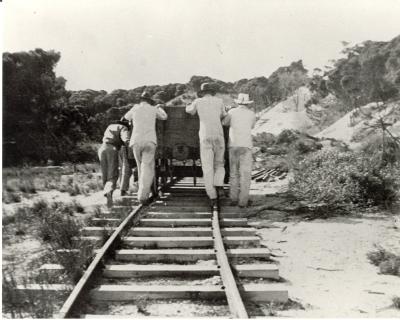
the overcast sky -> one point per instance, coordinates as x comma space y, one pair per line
110, 44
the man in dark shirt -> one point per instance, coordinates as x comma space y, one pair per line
115, 136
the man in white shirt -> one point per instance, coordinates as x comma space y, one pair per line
144, 141
241, 121
212, 145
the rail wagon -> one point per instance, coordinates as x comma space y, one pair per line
178, 146
178, 149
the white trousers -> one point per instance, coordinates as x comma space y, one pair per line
144, 153
240, 163
212, 162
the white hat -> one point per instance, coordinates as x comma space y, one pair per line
243, 98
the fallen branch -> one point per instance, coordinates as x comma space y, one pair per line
374, 292
324, 269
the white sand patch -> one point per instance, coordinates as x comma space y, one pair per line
325, 263
355, 127
288, 114
339, 245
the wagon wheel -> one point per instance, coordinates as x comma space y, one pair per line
171, 170
164, 170
194, 172
154, 187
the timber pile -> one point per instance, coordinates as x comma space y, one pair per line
269, 175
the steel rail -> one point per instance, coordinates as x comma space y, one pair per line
235, 301
68, 308
84, 283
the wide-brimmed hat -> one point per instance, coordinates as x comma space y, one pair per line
145, 96
207, 87
243, 98
123, 121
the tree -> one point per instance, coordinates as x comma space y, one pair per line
37, 116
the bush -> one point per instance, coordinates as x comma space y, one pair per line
40, 208
76, 262
11, 197
59, 230
303, 146
339, 179
287, 136
396, 302
387, 262
27, 186
84, 153
28, 304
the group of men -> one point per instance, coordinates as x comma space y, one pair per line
213, 114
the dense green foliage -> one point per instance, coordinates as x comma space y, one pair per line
43, 121
366, 73
339, 179
38, 121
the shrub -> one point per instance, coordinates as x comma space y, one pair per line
75, 262
303, 146
339, 179
287, 136
78, 207
59, 230
69, 209
11, 197
27, 185
83, 153
25, 304
388, 262
396, 302
40, 208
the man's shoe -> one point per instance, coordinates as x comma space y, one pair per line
135, 187
109, 200
214, 204
233, 203
220, 192
144, 202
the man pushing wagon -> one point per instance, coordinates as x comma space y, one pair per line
211, 111
241, 120
144, 140
115, 136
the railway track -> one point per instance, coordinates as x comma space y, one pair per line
175, 249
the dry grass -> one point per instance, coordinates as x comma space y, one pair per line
54, 224
50, 222
22, 182
38, 304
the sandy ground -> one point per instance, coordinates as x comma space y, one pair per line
88, 202
324, 262
24, 251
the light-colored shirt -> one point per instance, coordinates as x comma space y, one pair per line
116, 134
241, 121
210, 110
143, 117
